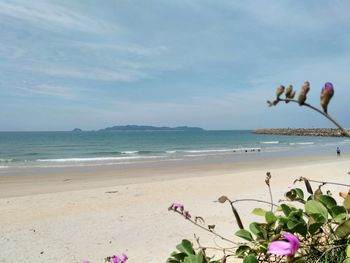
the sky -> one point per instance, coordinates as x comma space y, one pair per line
213, 64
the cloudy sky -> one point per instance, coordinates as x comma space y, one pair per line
213, 64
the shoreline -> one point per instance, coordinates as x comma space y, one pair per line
29, 181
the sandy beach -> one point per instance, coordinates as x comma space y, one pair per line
74, 216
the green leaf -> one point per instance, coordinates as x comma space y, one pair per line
298, 226
186, 247
242, 250
299, 193
171, 260
255, 229
347, 260
314, 207
242, 233
259, 212
250, 259
178, 256
270, 217
315, 223
347, 250
295, 194
343, 230
291, 195
315, 227
338, 213
327, 201
194, 259
286, 209
259, 229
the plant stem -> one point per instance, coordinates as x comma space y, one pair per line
344, 131
253, 200
340, 184
321, 182
206, 229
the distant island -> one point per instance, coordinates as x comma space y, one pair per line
329, 132
77, 130
150, 128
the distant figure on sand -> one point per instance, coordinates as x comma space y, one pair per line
338, 151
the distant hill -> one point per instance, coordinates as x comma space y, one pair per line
150, 128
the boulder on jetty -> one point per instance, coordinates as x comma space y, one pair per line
328, 132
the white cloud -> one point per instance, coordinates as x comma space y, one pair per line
47, 90
126, 48
45, 14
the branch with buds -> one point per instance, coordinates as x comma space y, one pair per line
327, 93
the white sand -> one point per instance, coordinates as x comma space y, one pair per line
70, 225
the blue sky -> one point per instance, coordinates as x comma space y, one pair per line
213, 64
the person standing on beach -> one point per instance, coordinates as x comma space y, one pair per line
338, 151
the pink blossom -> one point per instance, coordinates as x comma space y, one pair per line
177, 207
285, 248
122, 259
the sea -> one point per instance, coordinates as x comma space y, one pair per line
96, 148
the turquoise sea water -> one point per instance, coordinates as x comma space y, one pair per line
56, 149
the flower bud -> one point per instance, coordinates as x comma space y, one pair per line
304, 90
289, 89
279, 91
326, 95
290, 93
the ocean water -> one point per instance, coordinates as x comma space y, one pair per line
66, 149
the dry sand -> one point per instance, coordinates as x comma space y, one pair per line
71, 217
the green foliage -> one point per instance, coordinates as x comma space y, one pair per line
186, 254
250, 259
320, 223
244, 234
323, 227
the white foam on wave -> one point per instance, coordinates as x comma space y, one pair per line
269, 142
3, 167
207, 151
197, 153
301, 143
96, 159
171, 152
94, 164
129, 152
6, 160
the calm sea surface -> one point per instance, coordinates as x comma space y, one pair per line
64, 149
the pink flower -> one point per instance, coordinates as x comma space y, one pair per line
177, 207
285, 248
122, 259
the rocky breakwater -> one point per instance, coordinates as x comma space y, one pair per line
302, 132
